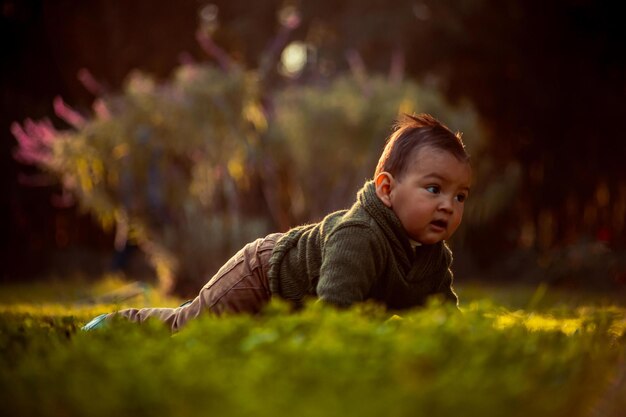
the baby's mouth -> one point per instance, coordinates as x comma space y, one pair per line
441, 224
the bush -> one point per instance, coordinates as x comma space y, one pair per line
193, 168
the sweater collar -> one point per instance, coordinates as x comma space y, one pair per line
386, 219
419, 262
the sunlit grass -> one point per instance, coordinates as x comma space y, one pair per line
535, 322
487, 360
538, 297
80, 298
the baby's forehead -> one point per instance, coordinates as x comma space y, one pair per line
440, 162
429, 152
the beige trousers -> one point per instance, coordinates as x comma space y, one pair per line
240, 286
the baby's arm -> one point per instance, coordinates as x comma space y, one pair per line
351, 261
446, 288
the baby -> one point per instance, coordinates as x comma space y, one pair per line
388, 247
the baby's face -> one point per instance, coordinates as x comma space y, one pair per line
430, 197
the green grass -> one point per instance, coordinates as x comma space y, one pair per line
532, 355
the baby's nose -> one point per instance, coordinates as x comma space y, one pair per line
446, 204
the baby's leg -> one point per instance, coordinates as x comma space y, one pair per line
240, 286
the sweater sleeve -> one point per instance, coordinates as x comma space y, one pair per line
447, 290
446, 285
351, 262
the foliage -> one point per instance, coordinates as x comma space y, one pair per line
486, 361
194, 167
162, 162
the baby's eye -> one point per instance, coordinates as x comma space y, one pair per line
461, 198
433, 189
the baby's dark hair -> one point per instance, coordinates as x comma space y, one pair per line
412, 133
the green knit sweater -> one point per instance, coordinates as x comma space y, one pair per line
359, 254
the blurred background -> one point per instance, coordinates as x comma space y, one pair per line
155, 138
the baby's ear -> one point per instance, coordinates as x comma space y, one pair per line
384, 184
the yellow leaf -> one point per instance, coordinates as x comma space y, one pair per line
120, 151
406, 106
254, 114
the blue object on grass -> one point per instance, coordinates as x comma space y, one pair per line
186, 303
95, 323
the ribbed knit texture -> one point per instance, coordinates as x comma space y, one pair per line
359, 254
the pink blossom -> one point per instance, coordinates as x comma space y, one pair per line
68, 114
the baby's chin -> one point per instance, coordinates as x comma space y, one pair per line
428, 241
431, 239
